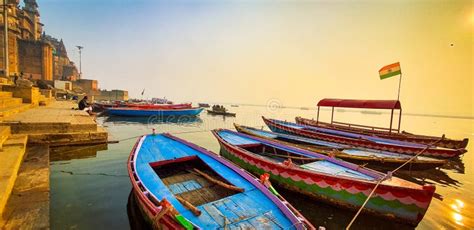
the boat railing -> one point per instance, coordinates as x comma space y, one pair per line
373, 128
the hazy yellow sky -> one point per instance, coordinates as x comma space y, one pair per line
294, 52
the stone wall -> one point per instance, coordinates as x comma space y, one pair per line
112, 95
35, 59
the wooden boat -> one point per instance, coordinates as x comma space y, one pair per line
203, 105
402, 136
327, 179
137, 112
374, 107
223, 113
358, 140
370, 158
160, 106
179, 185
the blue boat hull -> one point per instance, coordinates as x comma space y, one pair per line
154, 156
147, 112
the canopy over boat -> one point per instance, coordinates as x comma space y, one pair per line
360, 104
363, 104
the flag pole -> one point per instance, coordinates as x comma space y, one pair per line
399, 86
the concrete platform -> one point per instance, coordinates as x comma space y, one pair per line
57, 124
28, 205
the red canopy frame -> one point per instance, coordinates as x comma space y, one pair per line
363, 104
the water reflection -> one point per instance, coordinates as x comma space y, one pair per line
457, 207
455, 165
135, 218
153, 120
66, 153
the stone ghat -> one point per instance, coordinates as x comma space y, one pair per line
57, 124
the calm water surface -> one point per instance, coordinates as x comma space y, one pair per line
90, 186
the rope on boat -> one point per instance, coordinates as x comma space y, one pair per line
389, 175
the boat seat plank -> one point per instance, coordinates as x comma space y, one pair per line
185, 186
335, 169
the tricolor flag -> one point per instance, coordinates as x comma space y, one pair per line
390, 70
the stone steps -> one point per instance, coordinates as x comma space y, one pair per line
12, 155
5, 132
8, 111
10, 102
4, 94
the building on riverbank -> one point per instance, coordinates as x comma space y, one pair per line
30, 50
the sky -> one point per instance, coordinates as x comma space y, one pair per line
292, 53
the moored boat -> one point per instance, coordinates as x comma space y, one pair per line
137, 112
179, 185
160, 106
358, 140
204, 105
374, 106
401, 136
327, 179
223, 113
367, 157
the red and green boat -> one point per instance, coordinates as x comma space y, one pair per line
327, 179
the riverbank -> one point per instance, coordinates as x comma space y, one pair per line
26, 136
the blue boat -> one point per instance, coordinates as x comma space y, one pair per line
136, 112
179, 185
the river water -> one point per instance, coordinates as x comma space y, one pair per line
90, 186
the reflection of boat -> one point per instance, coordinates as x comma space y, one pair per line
65, 153
327, 179
370, 158
203, 105
134, 112
223, 113
180, 185
358, 140
387, 133
153, 120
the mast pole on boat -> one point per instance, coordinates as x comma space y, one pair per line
399, 86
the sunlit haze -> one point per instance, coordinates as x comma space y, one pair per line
293, 52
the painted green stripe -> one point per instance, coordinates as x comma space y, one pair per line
375, 203
391, 74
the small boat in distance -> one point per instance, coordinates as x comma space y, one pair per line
234, 105
179, 185
367, 157
327, 179
358, 140
203, 105
220, 110
137, 112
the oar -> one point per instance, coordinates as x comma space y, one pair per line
189, 206
218, 182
